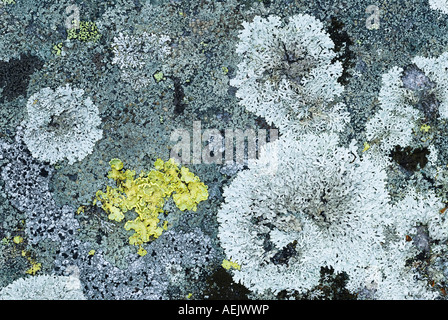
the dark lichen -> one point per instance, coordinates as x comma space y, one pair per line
15, 75
415, 79
179, 95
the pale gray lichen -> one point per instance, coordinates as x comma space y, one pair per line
282, 234
27, 185
62, 124
417, 228
176, 263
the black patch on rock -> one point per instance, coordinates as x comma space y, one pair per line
410, 159
283, 256
342, 43
220, 286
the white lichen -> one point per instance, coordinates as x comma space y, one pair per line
321, 202
139, 56
394, 123
324, 206
440, 5
61, 124
409, 98
436, 69
287, 76
43, 287
396, 278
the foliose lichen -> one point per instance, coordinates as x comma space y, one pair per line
287, 74
146, 195
43, 287
62, 124
334, 212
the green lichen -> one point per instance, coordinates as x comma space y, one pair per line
158, 76
57, 49
146, 195
87, 32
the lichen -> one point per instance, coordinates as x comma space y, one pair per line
8, 2
43, 287
228, 264
287, 74
62, 124
146, 195
87, 32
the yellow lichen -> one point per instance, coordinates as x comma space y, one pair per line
142, 252
35, 267
7, 2
17, 239
425, 128
81, 209
227, 264
57, 49
146, 196
87, 31
366, 146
